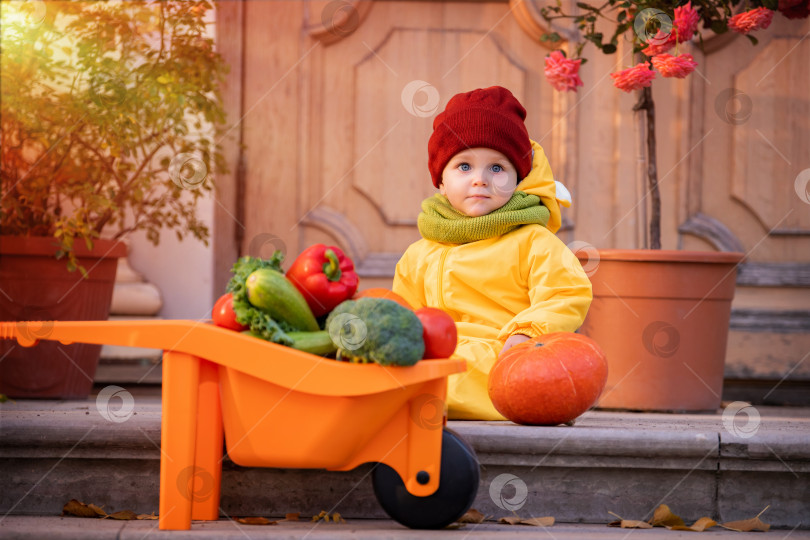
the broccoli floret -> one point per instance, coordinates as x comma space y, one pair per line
377, 330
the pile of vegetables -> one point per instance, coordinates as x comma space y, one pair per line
315, 308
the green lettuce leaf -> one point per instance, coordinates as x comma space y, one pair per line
259, 322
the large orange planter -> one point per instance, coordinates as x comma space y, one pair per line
37, 286
662, 319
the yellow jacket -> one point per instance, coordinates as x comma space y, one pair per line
523, 282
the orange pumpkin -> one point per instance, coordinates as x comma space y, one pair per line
548, 380
381, 292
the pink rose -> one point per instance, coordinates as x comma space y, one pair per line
660, 43
562, 73
686, 21
748, 21
638, 76
674, 66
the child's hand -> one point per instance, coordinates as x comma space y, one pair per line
513, 340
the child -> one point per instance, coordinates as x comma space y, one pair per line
488, 254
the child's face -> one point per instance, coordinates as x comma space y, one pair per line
477, 181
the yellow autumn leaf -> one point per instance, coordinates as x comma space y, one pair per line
698, 526
79, 509
147, 516
323, 515
122, 514
258, 520
628, 523
471, 516
546, 521
748, 525
663, 517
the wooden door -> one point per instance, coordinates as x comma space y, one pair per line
338, 103
331, 106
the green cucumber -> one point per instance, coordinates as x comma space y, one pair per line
271, 291
312, 342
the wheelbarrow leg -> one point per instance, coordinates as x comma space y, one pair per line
208, 453
178, 426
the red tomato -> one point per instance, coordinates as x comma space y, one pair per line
223, 314
439, 332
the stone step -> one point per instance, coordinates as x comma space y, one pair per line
63, 528
620, 462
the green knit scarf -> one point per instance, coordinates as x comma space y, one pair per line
440, 222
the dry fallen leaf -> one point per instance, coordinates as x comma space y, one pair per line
337, 518
256, 521
122, 514
78, 508
322, 516
471, 516
628, 523
698, 526
663, 517
292, 517
547, 521
748, 525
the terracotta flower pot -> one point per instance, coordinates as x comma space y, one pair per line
34, 285
662, 319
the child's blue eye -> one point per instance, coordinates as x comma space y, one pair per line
497, 168
464, 167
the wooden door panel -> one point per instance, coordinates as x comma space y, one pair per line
375, 94
755, 120
774, 145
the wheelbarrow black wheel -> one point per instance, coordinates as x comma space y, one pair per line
458, 485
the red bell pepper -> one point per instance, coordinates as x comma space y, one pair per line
325, 276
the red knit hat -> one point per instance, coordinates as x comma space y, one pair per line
488, 117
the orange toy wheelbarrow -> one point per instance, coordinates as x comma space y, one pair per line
279, 407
